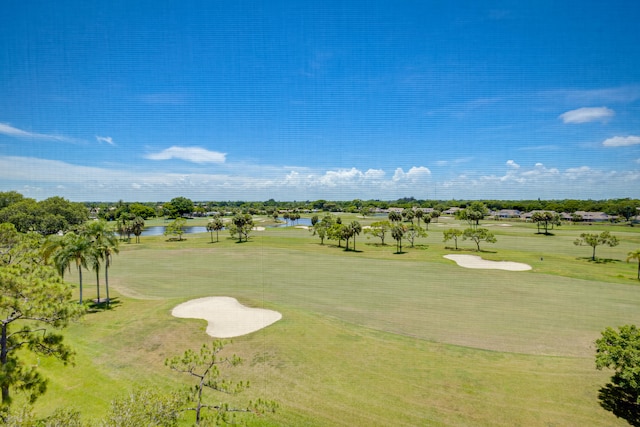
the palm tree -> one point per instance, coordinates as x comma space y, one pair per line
419, 213
216, 224
635, 255
395, 216
137, 226
104, 243
74, 248
356, 228
397, 232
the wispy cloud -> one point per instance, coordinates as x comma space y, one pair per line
454, 161
615, 95
189, 154
7, 129
587, 114
106, 139
621, 141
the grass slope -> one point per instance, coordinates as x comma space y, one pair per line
368, 337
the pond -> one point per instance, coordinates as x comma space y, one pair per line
158, 230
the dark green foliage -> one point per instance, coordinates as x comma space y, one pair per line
620, 351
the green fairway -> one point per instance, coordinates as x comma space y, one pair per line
370, 337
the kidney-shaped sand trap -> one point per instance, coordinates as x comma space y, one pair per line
474, 261
226, 316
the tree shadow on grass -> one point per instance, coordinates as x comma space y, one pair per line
599, 260
620, 401
545, 234
98, 306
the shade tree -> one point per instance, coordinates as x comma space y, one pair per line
452, 234
595, 240
379, 229
478, 235
412, 232
176, 228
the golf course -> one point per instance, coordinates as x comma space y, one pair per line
366, 337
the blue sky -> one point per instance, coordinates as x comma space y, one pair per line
297, 100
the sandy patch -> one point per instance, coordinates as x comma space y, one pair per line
258, 229
302, 227
226, 316
474, 261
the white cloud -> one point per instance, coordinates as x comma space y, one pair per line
587, 114
106, 139
621, 141
7, 129
513, 164
414, 175
41, 178
189, 154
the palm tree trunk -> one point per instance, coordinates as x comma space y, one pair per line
80, 279
98, 283
106, 281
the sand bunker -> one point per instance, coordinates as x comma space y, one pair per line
474, 261
226, 316
258, 229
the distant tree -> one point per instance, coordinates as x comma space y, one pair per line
452, 234
241, 225
137, 227
595, 240
179, 206
144, 212
435, 214
321, 228
473, 214
314, 220
336, 232
35, 302
379, 229
205, 367
620, 351
418, 214
636, 256
627, 209
546, 219
216, 224
412, 232
408, 215
175, 228
478, 235
395, 216
397, 232
427, 221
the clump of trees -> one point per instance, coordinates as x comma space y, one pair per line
546, 219
46, 217
241, 225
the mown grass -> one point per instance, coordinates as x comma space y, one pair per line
369, 337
